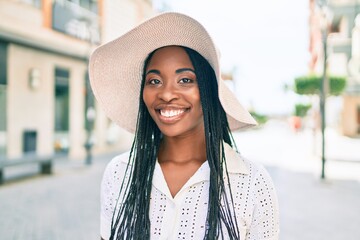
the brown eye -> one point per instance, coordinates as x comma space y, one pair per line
153, 82
186, 80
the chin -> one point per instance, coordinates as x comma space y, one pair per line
171, 132
178, 131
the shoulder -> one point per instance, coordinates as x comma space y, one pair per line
116, 168
118, 162
261, 188
114, 175
257, 176
264, 221
255, 199
256, 169
238, 165
247, 174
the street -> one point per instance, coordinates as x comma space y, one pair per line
61, 206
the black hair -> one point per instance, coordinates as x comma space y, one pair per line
131, 220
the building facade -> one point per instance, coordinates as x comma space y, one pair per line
341, 18
45, 100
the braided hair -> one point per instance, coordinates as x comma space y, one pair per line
132, 221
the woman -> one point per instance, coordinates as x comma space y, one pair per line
183, 178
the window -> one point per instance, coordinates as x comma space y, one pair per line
89, 103
3, 62
3, 114
77, 18
3, 92
91, 5
35, 3
61, 99
61, 141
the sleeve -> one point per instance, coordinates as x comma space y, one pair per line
109, 191
106, 202
265, 223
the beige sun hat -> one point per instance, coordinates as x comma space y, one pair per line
116, 68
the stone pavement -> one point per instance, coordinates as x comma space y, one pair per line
66, 205
62, 206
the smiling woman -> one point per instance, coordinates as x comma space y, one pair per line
171, 93
183, 177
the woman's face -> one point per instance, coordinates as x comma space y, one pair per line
171, 93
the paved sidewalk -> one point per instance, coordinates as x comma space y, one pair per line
63, 206
311, 209
66, 205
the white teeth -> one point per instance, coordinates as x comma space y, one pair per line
171, 113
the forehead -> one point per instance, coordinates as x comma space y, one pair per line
170, 56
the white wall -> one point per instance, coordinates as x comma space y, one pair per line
33, 109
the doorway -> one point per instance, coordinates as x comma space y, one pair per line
61, 141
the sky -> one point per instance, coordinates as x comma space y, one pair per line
264, 42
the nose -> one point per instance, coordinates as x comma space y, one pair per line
168, 92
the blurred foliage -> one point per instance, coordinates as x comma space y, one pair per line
310, 84
301, 109
260, 118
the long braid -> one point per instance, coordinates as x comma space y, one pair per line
214, 116
132, 220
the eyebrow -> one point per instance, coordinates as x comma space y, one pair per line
153, 71
180, 70
184, 70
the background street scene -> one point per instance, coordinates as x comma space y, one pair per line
295, 65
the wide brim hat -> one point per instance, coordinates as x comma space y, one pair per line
115, 68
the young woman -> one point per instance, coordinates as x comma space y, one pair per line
183, 177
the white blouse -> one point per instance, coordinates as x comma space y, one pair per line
184, 216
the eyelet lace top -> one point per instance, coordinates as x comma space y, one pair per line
184, 216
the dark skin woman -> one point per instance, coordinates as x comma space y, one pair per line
183, 177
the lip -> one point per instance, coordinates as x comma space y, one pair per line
171, 119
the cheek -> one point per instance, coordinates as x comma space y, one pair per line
196, 99
146, 98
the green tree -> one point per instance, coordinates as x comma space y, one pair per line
301, 109
260, 118
310, 85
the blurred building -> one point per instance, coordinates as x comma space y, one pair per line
341, 18
44, 94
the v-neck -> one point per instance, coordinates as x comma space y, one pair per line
201, 174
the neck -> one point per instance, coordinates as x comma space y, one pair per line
183, 149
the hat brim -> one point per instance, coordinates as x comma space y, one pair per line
115, 68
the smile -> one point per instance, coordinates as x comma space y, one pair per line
171, 113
